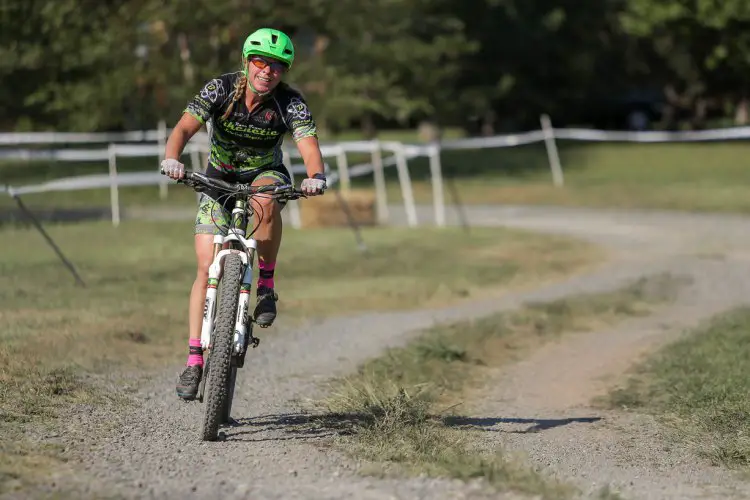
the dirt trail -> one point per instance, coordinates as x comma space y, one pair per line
541, 407
152, 451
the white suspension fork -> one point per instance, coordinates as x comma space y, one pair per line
243, 310
209, 306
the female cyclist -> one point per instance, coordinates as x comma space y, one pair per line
251, 110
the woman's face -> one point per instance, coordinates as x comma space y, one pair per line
264, 73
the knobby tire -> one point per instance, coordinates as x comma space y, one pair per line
217, 385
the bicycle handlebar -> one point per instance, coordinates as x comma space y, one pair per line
197, 179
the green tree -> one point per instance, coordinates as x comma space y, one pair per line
92, 65
543, 56
698, 49
393, 60
63, 62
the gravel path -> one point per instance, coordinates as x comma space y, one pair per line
153, 451
541, 407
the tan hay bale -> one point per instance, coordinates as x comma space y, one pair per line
326, 211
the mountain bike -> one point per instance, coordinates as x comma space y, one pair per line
227, 328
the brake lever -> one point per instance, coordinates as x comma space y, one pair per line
198, 187
294, 195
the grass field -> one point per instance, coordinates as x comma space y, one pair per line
695, 177
399, 405
699, 387
132, 314
686, 176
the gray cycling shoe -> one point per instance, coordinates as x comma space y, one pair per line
187, 385
265, 309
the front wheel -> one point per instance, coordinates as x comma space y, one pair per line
227, 410
219, 378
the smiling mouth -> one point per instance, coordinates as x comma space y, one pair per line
263, 79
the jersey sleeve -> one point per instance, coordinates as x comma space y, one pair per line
299, 119
208, 100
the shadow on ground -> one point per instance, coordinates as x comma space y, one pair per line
537, 424
302, 426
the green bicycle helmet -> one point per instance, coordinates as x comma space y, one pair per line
270, 43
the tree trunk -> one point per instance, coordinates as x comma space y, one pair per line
368, 127
699, 114
188, 73
669, 116
488, 123
741, 112
429, 131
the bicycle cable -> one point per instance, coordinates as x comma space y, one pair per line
251, 199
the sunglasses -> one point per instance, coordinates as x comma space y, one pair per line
261, 63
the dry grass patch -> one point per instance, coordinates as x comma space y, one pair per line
699, 387
132, 315
398, 404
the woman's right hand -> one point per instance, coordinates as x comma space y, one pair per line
173, 169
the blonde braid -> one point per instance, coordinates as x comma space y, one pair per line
239, 93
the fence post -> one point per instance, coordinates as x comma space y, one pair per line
161, 137
381, 198
294, 213
552, 155
438, 200
405, 181
114, 195
343, 168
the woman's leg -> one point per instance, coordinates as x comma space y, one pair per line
268, 237
211, 219
203, 252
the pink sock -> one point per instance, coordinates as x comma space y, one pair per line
265, 274
196, 353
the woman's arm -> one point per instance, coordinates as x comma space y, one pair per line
186, 128
311, 156
315, 183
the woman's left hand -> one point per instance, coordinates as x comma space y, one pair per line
314, 185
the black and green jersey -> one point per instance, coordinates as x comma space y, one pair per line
246, 141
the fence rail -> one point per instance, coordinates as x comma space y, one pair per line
152, 145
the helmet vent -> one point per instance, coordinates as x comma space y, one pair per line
274, 39
255, 42
287, 51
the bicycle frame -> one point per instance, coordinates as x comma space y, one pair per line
236, 242
246, 248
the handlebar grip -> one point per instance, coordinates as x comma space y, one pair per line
202, 178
